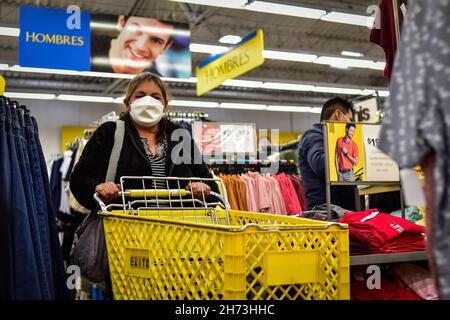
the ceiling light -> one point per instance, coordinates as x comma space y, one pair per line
289, 56
290, 10
352, 54
284, 9
348, 18
341, 66
347, 62
231, 82
243, 106
337, 90
11, 32
293, 109
367, 92
230, 39
42, 70
206, 48
379, 65
243, 83
287, 86
119, 100
69, 97
186, 80
194, 104
23, 95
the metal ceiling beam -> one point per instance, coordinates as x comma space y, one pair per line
114, 85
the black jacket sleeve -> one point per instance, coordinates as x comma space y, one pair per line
202, 170
90, 170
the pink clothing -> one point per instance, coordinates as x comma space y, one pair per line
261, 195
252, 201
289, 195
279, 204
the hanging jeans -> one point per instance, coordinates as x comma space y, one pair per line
40, 200
26, 273
6, 250
58, 271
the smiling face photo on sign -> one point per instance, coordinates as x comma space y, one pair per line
140, 42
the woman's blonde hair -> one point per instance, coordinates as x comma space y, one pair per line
145, 76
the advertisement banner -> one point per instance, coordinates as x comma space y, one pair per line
353, 154
237, 60
345, 150
54, 39
76, 40
132, 45
220, 138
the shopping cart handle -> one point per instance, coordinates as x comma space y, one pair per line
100, 202
162, 193
137, 193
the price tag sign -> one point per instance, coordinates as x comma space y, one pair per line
238, 138
219, 138
378, 165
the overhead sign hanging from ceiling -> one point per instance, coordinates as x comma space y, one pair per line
49, 38
76, 40
237, 60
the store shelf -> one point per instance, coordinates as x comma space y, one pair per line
388, 258
368, 183
378, 189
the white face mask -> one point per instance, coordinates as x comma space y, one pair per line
146, 111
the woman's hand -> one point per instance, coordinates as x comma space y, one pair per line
196, 189
108, 191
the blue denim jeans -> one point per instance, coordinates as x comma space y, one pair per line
58, 271
40, 201
6, 250
26, 275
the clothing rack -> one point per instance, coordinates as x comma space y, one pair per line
111, 116
177, 116
245, 165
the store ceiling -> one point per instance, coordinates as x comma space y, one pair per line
208, 24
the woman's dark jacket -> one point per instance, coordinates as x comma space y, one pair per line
91, 169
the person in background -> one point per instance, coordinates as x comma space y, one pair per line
346, 154
146, 151
139, 43
312, 158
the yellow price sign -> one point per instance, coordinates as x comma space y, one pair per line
2, 85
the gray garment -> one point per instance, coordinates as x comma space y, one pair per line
417, 118
347, 176
340, 212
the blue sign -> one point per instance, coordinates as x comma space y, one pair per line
54, 39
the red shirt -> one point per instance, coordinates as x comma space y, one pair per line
382, 229
344, 162
385, 36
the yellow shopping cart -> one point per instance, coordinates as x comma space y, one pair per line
168, 245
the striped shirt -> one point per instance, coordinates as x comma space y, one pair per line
158, 162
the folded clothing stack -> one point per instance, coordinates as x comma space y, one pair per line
373, 232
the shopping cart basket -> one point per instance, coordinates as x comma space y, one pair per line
169, 245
